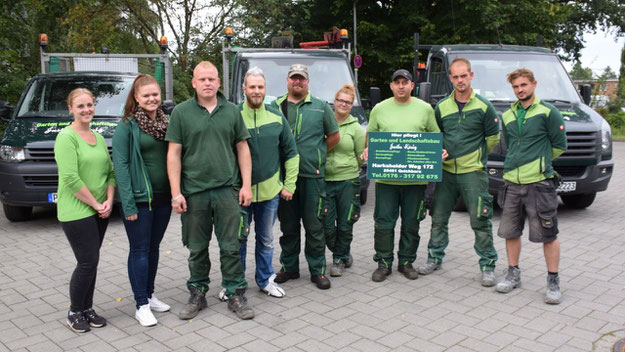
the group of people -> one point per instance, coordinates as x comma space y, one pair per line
223, 166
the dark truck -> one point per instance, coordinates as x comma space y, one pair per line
586, 166
28, 172
329, 69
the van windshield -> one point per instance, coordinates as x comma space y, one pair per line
491, 70
47, 96
327, 76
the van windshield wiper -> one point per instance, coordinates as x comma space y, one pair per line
563, 101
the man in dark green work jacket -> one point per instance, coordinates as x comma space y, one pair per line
316, 131
535, 135
209, 168
470, 131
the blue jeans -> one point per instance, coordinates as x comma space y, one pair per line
264, 214
144, 236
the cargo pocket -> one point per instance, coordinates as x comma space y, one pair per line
547, 205
485, 206
244, 228
322, 207
354, 208
501, 195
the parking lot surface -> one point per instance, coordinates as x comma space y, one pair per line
447, 310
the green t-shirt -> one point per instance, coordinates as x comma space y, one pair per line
154, 153
520, 116
343, 161
416, 116
81, 164
208, 144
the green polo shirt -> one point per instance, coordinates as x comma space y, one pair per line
208, 141
416, 116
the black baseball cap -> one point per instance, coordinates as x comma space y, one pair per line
402, 73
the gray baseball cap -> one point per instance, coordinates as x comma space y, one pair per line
298, 69
402, 73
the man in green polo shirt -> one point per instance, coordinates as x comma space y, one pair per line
316, 131
207, 161
535, 135
401, 113
470, 131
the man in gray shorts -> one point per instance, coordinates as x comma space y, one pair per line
534, 134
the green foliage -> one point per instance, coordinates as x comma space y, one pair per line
607, 74
579, 72
616, 120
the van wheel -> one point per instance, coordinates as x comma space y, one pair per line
579, 201
363, 196
14, 213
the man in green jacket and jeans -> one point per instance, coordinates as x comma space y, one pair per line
470, 131
316, 131
534, 134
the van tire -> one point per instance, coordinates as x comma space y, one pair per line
460, 207
363, 196
579, 201
15, 213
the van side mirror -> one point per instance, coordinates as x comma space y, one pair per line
585, 91
425, 91
168, 107
6, 110
375, 96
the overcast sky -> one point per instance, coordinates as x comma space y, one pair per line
601, 49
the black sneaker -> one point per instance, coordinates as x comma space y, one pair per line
94, 320
284, 276
323, 283
238, 304
77, 322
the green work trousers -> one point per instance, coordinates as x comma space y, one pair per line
218, 207
473, 188
343, 212
309, 206
389, 201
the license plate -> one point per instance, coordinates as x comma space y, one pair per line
52, 197
567, 187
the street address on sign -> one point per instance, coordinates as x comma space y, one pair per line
405, 156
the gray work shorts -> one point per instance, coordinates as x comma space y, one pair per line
538, 201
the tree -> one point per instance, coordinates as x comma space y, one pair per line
620, 89
607, 74
580, 73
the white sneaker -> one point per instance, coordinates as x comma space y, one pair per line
157, 305
272, 289
144, 316
222, 295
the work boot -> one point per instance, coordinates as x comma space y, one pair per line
323, 283
553, 294
284, 276
488, 278
511, 281
380, 274
349, 262
238, 304
337, 269
409, 272
197, 302
428, 268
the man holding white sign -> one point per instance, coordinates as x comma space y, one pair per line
401, 113
470, 131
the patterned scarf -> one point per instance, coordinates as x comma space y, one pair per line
156, 128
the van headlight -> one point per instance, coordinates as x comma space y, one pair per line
606, 140
11, 154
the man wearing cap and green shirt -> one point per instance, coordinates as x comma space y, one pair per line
401, 113
470, 131
316, 131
